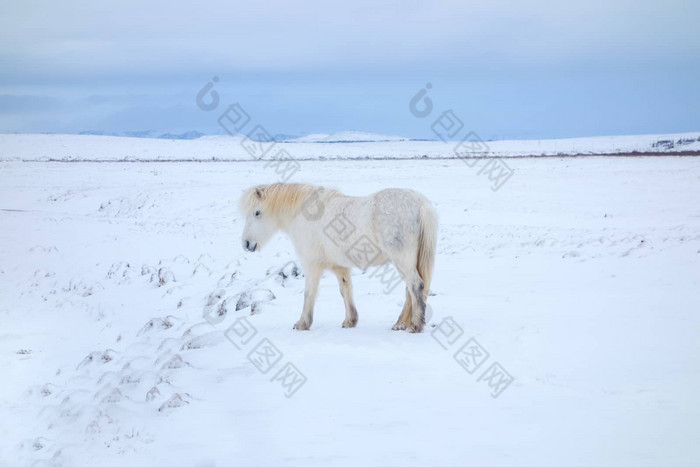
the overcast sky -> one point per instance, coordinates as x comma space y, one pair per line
507, 69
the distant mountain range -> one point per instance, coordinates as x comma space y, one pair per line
339, 137
662, 141
192, 134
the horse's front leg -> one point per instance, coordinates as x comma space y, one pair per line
345, 284
313, 276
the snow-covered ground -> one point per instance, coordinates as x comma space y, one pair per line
92, 147
580, 278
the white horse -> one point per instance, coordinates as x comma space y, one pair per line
333, 231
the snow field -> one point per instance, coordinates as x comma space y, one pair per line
580, 277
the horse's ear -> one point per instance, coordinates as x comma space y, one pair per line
259, 193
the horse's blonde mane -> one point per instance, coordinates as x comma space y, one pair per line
281, 198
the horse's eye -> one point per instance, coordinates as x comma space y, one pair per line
257, 213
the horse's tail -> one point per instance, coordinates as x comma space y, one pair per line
427, 241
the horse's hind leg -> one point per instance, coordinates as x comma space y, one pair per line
345, 284
404, 320
416, 290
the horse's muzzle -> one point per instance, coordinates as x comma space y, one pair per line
249, 246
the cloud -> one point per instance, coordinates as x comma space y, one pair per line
509, 67
92, 38
23, 103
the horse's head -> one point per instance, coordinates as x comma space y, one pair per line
260, 224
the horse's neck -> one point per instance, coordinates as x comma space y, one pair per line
316, 212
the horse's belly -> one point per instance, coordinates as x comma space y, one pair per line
360, 256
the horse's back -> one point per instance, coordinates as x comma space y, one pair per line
396, 217
398, 203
